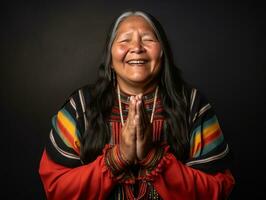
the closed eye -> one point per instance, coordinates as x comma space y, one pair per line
149, 39
124, 41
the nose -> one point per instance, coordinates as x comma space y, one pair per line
137, 46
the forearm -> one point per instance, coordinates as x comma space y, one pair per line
180, 181
91, 181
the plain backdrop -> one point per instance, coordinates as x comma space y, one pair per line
51, 48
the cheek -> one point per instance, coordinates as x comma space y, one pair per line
156, 53
119, 52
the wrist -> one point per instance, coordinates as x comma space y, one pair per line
152, 158
115, 162
123, 158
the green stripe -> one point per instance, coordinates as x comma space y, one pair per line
210, 122
71, 119
209, 147
206, 124
198, 129
68, 115
54, 123
215, 143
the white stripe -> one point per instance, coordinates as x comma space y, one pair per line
192, 98
61, 151
205, 108
212, 158
82, 101
73, 104
202, 110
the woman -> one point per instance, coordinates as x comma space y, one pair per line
140, 132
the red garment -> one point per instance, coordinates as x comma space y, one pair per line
178, 181
171, 179
91, 181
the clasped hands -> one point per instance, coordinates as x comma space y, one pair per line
136, 134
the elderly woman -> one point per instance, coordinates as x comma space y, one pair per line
140, 132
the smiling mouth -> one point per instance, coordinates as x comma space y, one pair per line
137, 62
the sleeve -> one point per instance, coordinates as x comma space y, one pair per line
61, 169
63, 145
88, 182
175, 180
206, 173
209, 151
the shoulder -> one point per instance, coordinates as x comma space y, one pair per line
77, 104
195, 97
83, 92
80, 98
197, 102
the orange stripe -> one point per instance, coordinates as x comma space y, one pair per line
206, 132
67, 136
196, 148
212, 137
206, 140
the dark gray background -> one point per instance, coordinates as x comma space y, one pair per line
48, 49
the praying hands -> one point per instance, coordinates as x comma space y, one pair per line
136, 136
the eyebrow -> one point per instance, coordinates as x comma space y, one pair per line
123, 34
130, 33
148, 33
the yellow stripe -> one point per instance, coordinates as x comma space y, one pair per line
69, 126
206, 132
61, 135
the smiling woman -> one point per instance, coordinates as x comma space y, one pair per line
140, 132
136, 55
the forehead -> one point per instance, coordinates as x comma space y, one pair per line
134, 22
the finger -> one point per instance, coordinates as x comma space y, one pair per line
141, 109
138, 104
138, 114
132, 109
144, 114
139, 129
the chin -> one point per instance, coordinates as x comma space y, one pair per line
140, 80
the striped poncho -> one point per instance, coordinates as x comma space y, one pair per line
204, 175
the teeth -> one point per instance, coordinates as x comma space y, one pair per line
136, 62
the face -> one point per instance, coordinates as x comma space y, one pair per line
136, 53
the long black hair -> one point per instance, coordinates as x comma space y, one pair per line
171, 87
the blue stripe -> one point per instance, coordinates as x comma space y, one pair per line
54, 123
206, 124
198, 130
73, 121
214, 144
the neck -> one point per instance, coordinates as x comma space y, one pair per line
137, 88
120, 106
